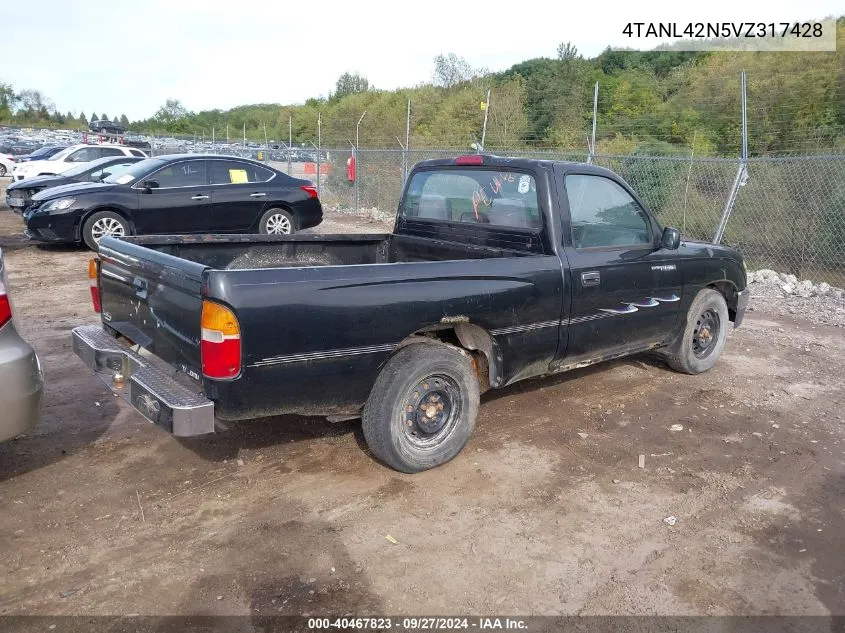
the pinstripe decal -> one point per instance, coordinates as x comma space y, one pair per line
323, 354
514, 329
524, 328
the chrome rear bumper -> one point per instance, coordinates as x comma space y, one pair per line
149, 389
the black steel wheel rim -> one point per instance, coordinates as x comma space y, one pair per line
432, 410
706, 333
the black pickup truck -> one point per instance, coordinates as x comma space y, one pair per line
498, 269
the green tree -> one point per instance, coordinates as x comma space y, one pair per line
173, 117
124, 121
350, 84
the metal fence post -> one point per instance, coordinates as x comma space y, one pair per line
592, 147
319, 146
742, 169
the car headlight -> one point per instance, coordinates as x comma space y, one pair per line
58, 205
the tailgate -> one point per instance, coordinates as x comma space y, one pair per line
154, 300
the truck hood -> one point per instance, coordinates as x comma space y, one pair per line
37, 182
72, 189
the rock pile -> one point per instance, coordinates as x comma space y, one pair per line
781, 293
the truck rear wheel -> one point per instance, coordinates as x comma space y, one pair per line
700, 344
422, 408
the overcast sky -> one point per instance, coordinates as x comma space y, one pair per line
128, 57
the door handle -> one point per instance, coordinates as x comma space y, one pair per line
257, 195
592, 278
200, 197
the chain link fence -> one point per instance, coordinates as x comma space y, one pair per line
789, 215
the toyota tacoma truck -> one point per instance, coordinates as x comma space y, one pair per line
497, 270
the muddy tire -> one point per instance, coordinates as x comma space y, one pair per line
101, 224
422, 409
277, 222
700, 344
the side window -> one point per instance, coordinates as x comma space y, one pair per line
224, 172
83, 155
604, 214
187, 174
110, 151
500, 198
136, 152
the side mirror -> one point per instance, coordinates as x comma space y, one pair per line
103, 176
149, 185
670, 239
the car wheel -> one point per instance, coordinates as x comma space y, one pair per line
277, 222
104, 224
2, 170
700, 344
422, 408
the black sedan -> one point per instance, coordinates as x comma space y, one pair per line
19, 194
183, 193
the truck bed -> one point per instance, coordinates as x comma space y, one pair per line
255, 251
333, 303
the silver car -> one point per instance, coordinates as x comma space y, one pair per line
21, 378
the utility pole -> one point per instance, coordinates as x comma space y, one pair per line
486, 112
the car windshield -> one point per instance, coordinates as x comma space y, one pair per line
83, 168
133, 173
61, 155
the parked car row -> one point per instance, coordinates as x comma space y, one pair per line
69, 158
19, 193
176, 194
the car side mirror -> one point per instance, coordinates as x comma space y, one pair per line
149, 185
103, 176
671, 238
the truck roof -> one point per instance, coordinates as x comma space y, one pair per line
493, 160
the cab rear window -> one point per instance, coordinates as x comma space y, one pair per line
483, 196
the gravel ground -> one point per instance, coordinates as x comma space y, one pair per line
545, 512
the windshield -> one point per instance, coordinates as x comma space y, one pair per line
60, 155
83, 168
133, 173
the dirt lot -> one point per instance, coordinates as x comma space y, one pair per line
545, 512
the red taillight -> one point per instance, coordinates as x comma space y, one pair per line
311, 191
5, 305
220, 344
470, 159
94, 283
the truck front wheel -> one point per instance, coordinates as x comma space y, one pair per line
422, 408
699, 346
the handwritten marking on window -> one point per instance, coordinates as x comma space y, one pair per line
480, 197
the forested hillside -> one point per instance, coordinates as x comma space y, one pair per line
657, 102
